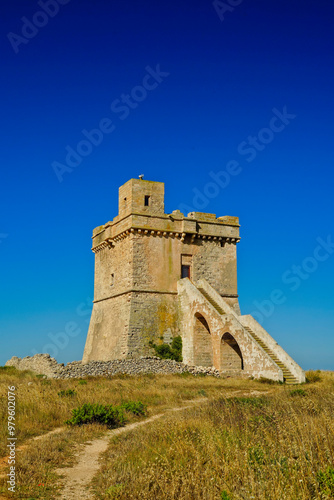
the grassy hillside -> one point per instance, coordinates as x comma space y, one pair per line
244, 440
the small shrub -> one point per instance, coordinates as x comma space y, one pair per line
68, 392
89, 413
313, 376
202, 392
82, 382
111, 416
225, 496
135, 407
298, 392
40, 375
177, 345
166, 351
326, 481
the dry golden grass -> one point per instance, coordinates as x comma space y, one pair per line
278, 446
261, 449
41, 409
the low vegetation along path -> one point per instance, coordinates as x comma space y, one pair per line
78, 477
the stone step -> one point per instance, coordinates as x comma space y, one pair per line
287, 375
212, 301
289, 379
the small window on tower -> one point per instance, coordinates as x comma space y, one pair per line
186, 264
147, 201
112, 279
185, 271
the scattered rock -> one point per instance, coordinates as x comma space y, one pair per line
44, 364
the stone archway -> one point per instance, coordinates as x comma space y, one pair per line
203, 350
230, 353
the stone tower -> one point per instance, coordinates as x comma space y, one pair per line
160, 275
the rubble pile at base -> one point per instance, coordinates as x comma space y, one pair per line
44, 364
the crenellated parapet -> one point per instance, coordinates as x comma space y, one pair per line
175, 225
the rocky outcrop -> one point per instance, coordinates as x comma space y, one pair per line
41, 364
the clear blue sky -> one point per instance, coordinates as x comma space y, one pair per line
222, 79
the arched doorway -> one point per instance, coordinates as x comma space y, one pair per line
230, 354
203, 352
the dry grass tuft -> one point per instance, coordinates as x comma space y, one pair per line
250, 439
276, 446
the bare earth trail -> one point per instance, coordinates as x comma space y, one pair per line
78, 477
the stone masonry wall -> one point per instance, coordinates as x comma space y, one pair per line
131, 197
108, 330
41, 364
148, 267
230, 354
217, 264
157, 262
116, 260
44, 364
203, 352
107, 336
152, 316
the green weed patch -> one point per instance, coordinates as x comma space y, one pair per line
111, 416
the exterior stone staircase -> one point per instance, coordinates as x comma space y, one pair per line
289, 378
211, 300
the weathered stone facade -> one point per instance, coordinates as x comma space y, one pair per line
147, 268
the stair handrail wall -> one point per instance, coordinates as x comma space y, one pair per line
248, 320
202, 283
283, 356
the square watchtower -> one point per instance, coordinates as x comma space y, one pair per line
139, 258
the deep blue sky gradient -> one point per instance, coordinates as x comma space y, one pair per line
225, 78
